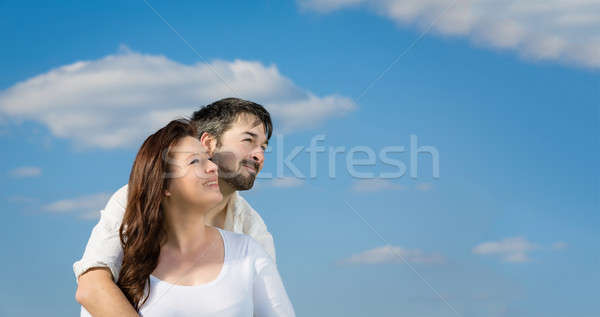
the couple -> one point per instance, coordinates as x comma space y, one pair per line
178, 240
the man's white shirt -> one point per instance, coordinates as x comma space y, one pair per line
104, 246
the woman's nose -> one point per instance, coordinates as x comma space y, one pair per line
211, 167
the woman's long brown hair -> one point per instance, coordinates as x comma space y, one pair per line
142, 232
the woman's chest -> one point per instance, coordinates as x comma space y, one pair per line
230, 295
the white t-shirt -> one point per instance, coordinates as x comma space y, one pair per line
248, 285
104, 246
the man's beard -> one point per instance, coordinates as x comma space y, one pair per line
228, 170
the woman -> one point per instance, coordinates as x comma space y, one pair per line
174, 264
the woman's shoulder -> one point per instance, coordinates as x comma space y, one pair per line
241, 245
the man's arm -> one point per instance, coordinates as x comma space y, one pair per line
260, 233
99, 267
254, 226
100, 296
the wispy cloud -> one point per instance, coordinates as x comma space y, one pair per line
513, 249
563, 30
393, 254
87, 206
424, 187
375, 185
559, 245
287, 182
22, 199
117, 100
26, 171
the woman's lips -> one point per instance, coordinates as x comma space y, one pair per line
213, 182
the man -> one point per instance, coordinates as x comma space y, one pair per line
235, 132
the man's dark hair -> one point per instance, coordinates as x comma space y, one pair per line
217, 117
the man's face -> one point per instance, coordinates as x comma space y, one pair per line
241, 153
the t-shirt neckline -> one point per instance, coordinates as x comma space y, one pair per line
215, 280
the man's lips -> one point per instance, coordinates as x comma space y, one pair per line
251, 167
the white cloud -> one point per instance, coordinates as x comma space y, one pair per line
26, 171
424, 187
375, 185
22, 199
513, 249
327, 5
86, 207
119, 99
287, 182
393, 254
559, 245
563, 30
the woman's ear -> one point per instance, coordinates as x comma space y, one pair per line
209, 142
167, 193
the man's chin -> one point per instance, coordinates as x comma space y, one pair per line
240, 182
248, 185
245, 188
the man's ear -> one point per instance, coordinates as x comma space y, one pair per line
209, 142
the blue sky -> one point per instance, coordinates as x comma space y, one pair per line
509, 228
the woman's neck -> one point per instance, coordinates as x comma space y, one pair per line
187, 231
216, 215
187, 226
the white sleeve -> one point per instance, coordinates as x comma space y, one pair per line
269, 295
104, 246
257, 229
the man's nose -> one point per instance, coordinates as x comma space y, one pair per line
259, 156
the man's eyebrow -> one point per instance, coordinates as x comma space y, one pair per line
254, 135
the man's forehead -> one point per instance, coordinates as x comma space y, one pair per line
248, 122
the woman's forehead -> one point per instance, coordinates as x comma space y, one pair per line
186, 147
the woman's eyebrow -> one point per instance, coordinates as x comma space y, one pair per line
189, 155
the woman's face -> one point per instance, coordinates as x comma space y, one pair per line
193, 177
